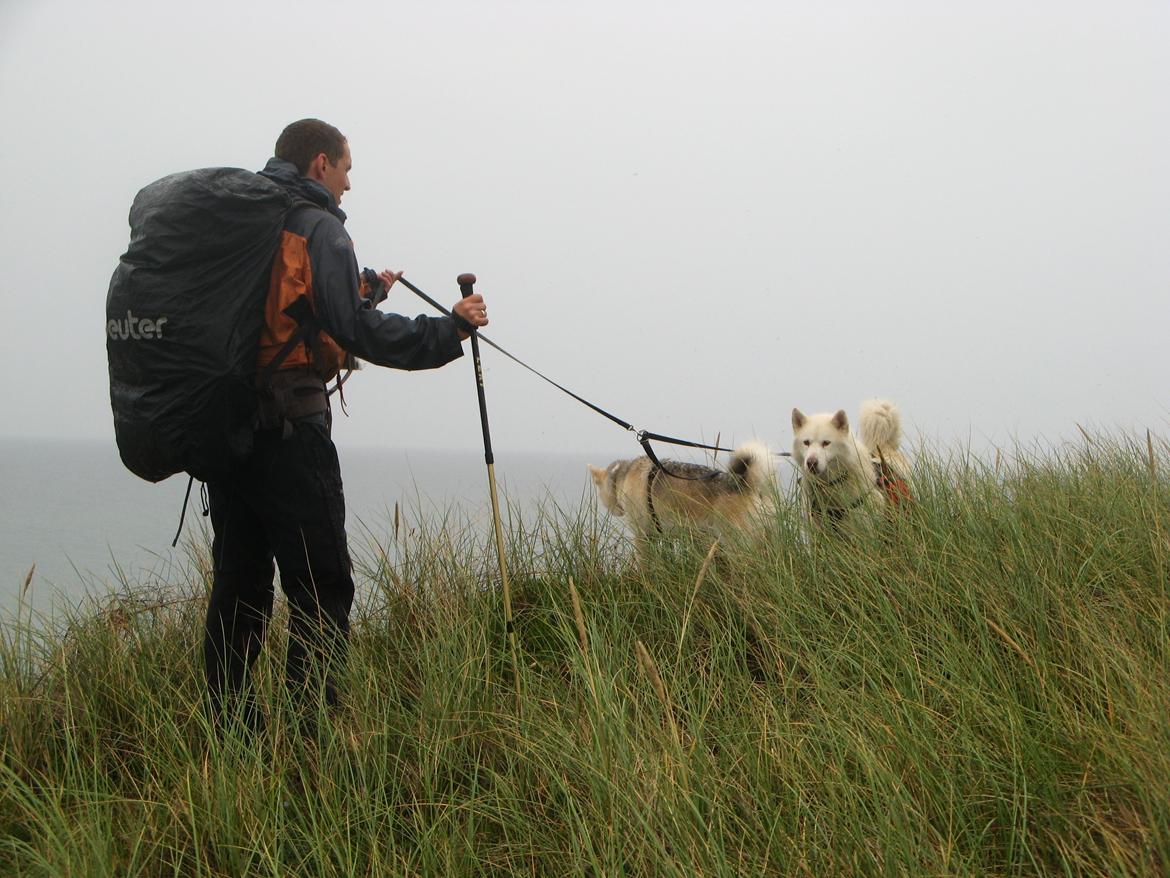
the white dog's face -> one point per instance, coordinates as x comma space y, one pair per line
606, 489
819, 440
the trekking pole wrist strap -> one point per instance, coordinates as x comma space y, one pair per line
461, 324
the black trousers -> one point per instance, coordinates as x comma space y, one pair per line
286, 503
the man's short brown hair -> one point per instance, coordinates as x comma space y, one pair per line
303, 141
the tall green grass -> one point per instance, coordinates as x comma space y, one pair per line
983, 690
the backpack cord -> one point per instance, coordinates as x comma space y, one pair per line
183, 512
338, 389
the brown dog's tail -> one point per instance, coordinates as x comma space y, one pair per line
751, 464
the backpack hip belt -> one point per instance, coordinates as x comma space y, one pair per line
289, 395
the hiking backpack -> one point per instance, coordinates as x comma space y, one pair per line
184, 313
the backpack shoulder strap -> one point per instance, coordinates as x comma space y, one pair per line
300, 311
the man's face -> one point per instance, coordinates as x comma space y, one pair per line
335, 177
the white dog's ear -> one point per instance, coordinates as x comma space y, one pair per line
840, 422
798, 419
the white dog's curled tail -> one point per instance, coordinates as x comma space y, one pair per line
752, 463
881, 425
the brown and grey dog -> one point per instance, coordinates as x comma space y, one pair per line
846, 480
686, 495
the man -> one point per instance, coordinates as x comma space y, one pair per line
286, 501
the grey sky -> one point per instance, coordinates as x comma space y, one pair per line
697, 215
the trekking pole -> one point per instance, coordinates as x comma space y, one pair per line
466, 281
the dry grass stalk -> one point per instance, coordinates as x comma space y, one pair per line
387, 567
579, 617
651, 669
583, 641
1019, 650
682, 634
705, 566
1160, 542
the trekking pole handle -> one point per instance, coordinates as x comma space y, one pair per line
466, 282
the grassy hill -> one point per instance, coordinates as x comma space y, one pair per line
982, 691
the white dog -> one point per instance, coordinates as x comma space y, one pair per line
847, 481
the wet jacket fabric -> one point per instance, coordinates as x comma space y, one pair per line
316, 259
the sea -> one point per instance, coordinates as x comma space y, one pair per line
83, 526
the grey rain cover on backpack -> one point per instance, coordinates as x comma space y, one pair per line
183, 318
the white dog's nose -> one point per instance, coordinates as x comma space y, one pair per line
810, 463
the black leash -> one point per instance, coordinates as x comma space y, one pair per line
644, 436
625, 425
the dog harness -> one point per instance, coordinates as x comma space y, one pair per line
656, 467
651, 475
834, 513
896, 491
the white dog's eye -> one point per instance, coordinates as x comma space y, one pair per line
824, 443
806, 443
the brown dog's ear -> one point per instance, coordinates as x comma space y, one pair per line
798, 419
840, 422
598, 474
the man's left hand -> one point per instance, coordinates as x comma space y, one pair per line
473, 310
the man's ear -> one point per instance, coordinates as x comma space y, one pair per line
316, 170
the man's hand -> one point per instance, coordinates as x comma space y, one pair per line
389, 278
472, 310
